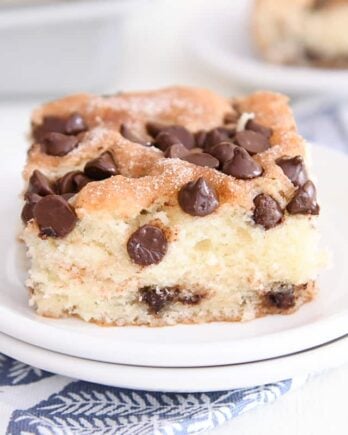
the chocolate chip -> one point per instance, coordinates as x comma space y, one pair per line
294, 169
128, 134
66, 183
258, 128
202, 159
75, 124
147, 245
216, 136
54, 216
242, 166
72, 182
165, 140
223, 151
251, 141
49, 124
102, 167
58, 144
27, 211
200, 138
157, 297
39, 183
80, 181
32, 197
154, 128
267, 211
176, 151
198, 198
283, 298
304, 201
181, 133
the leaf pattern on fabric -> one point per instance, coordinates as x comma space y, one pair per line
14, 372
84, 408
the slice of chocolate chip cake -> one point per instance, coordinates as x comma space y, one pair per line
302, 32
165, 207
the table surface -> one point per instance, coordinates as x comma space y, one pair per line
157, 54
318, 408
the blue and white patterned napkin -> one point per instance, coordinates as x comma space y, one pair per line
36, 402
324, 121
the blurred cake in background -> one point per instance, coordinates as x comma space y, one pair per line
302, 32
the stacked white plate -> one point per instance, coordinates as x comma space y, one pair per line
225, 44
207, 357
85, 38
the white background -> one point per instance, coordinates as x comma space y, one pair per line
319, 408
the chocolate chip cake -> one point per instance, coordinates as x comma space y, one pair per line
303, 32
171, 206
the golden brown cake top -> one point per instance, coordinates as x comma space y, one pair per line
145, 177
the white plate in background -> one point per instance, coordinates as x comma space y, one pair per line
221, 39
186, 345
54, 48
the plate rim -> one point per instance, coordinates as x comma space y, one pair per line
253, 71
206, 379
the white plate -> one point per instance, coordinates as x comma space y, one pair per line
224, 43
187, 345
87, 35
180, 379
